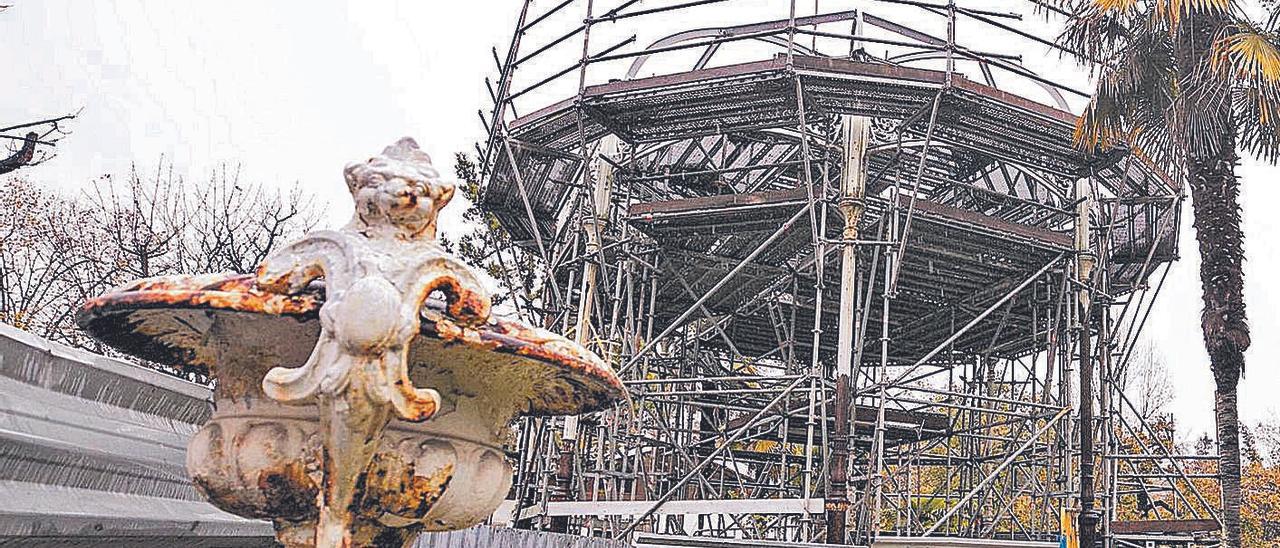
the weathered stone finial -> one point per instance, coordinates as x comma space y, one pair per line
398, 193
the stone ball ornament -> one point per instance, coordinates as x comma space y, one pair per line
363, 389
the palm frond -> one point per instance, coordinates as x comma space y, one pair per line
1248, 55
1116, 6
1201, 112
1171, 88
1100, 126
1136, 94
1099, 33
1049, 9
1257, 111
1174, 11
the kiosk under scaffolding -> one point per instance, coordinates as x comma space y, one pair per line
850, 266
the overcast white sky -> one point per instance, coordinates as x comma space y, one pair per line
294, 90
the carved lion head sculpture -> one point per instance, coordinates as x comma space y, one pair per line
398, 190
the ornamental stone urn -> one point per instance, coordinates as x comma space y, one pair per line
363, 392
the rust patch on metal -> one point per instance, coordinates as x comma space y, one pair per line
392, 486
218, 291
289, 492
280, 493
274, 483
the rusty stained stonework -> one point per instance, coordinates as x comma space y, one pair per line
341, 414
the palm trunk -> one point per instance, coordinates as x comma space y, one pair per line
1229, 462
1215, 200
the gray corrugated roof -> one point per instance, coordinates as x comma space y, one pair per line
92, 453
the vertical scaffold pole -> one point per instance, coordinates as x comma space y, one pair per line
590, 224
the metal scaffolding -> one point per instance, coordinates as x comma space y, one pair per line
850, 282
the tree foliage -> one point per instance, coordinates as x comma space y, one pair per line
490, 248
1168, 71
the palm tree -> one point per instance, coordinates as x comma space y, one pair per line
1190, 84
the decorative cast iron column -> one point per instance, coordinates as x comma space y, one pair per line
1085, 261
855, 131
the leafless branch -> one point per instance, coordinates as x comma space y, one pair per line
56, 250
26, 153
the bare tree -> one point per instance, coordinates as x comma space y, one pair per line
51, 257
1145, 381
1267, 436
56, 251
163, 224
141, 219
35, 145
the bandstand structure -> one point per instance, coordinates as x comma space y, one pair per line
850, 266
